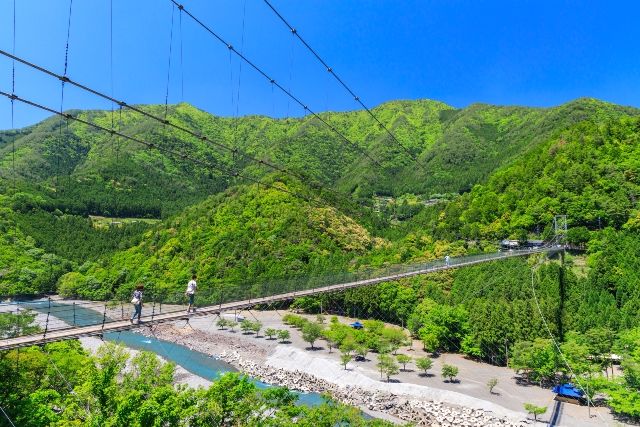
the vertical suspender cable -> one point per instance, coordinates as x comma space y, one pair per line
113, 138
13, 91
290, 73
292, 97
66, 55
62, 82
111, 57
234, 149
344, 85
236, 118
166, 96
244, 12
181, 60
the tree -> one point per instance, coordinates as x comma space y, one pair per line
600, 342
403, 359
348, 345
491, 384
270, 332
256, 327
13, 325
449, 372
344, 359
535, 410
330, 336
222, 323
578, 236
537, 359
232, 325
311, 332
395, 337
577, 356
320, 319
430, 340
387, 366
283, 335
424, 364
246, 325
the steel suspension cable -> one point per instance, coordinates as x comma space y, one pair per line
555, 342
278, 85
165, 121
152, 145
342, 83
110, 59
7, 416
244, 12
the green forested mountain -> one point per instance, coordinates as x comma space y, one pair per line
83, 171
489, 173
522, 166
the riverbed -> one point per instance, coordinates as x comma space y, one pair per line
205, 367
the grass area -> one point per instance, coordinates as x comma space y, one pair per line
101, 222
579, 266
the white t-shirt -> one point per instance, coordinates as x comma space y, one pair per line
191, 287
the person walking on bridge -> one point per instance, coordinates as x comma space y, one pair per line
137, 302
446, 261
192, 286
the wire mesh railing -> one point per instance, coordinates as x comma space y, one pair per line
60, 315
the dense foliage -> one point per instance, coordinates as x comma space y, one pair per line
62, 385
490, 173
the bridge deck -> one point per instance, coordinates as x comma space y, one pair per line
119, 325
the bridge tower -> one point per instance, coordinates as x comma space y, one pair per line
560, 229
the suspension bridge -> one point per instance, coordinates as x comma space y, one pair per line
243, 297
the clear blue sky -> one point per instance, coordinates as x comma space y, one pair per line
537, 53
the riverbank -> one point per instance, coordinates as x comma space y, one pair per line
422, 399
286, 365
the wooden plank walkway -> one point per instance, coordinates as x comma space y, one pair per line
120, 325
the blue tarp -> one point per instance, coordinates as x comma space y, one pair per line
357, 325
568, 390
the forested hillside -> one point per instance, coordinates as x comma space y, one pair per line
489, 173
83, 171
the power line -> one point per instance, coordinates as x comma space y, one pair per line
278, 85
175, 153
344, 85
234, 151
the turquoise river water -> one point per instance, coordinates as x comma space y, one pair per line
196, 362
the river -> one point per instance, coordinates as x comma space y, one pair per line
197, 363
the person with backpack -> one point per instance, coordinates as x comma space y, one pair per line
136, 300
192, 286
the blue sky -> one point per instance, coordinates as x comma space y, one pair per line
537, 53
